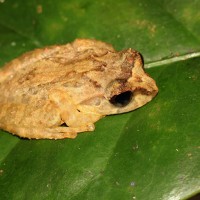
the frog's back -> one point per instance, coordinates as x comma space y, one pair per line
68, 53
49, 66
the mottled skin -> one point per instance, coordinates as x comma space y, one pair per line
59, 91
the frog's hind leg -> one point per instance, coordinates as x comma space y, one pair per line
48, 133
44, 133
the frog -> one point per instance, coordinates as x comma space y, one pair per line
58, 91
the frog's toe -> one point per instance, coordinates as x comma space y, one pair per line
49, 133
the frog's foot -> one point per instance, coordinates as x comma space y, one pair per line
49, 133
69, 112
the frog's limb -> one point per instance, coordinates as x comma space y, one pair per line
13, 118
46, 133
69, 112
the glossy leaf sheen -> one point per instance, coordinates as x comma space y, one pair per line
151, 153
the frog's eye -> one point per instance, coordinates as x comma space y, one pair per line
122, 99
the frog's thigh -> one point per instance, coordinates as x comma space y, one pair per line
48, 133
70, 114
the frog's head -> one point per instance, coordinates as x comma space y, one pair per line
125, 85
133, 88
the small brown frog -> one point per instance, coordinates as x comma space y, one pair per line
59, 91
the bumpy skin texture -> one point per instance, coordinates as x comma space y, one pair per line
59, 91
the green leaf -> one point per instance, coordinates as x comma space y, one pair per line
151, 153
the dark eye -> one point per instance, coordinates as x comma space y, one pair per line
122, 99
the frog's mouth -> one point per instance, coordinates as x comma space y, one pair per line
124, 96
128, 100
122, 99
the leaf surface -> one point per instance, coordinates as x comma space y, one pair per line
151, 153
